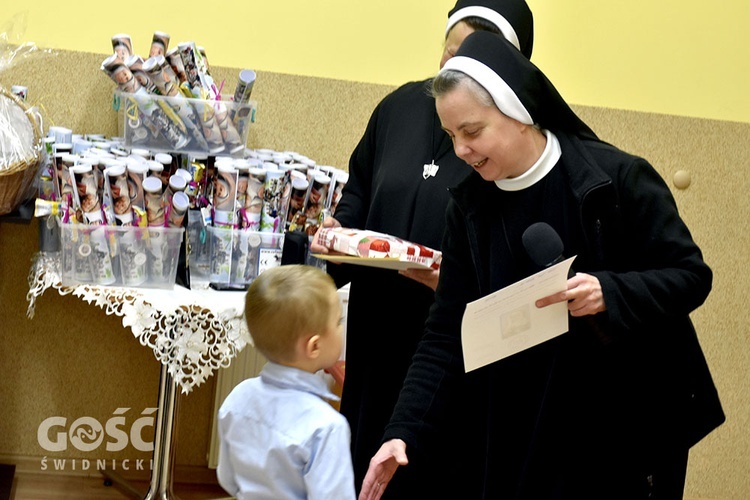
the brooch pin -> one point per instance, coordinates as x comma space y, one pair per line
430, 170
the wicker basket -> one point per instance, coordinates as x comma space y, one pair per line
20, 151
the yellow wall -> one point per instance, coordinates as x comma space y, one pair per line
679, 57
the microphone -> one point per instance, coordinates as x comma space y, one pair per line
543, 244
545, 248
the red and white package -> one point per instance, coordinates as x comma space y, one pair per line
373, 245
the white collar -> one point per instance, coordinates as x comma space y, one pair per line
538, 170
294, 378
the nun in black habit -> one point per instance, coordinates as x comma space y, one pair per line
609, 409
399, 175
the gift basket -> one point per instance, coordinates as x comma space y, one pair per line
20, 151
20, 129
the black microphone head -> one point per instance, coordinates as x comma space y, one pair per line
543, 244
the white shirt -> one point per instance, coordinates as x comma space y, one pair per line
280, 440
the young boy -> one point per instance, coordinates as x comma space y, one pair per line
279, 438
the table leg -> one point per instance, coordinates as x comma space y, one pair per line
161, 484
161, 474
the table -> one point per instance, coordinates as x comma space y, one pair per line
191, 332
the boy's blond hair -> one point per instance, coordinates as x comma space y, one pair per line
285, 302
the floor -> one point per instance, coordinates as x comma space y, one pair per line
39, 486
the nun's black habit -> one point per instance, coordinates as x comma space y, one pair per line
607, 412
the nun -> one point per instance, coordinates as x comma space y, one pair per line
399, 175
610, 408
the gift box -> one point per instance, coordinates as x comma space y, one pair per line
371, 248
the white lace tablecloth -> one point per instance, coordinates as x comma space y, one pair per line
192, 332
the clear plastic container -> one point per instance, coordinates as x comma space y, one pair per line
183, 125
232, 257
119, 256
